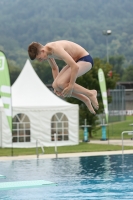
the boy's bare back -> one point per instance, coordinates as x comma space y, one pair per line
73, 49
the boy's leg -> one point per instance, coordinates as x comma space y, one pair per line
62, 71
86, 100
62, 81
91, 94
82, 98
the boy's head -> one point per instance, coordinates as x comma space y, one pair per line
34, 50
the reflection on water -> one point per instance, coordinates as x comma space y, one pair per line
99, 177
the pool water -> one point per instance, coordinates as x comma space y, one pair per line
79, 178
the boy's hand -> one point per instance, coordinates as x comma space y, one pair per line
67, 92
57, 93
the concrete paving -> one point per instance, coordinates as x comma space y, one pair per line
127, 142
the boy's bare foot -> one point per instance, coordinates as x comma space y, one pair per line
89, 106
93, 99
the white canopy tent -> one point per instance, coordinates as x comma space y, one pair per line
38, 114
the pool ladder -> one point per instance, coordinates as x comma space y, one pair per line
37, 153
129, 133
37, 141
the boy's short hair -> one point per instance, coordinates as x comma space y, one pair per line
33, 49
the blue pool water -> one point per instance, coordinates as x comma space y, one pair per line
81, 178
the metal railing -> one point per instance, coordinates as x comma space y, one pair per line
41, 145
55, 139
37, 141
129, 133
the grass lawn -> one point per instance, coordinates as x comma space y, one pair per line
82, 147
114, 130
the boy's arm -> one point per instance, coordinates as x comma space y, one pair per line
74, 69
54, 67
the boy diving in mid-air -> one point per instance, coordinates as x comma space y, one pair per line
78, 62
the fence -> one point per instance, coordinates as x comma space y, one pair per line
117, 109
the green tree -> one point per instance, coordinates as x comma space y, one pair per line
90, 81
43, 71
14, 71
128, 75
117, 64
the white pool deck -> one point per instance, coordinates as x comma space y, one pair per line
82, 154
66, 155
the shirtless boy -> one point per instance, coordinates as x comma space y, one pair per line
78, 62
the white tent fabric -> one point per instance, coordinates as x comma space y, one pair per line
33, 99
29, 90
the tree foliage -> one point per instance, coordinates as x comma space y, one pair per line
80, 21
128, 74
14, 71
117, 63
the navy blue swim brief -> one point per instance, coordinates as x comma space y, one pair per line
87, 58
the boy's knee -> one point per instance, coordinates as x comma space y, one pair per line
54, 85
59, 84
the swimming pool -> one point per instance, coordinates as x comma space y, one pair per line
88, 178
